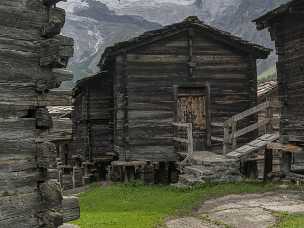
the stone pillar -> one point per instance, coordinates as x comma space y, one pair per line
32, 55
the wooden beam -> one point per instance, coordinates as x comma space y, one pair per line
250, 128
251, 111
285, 147
180, 140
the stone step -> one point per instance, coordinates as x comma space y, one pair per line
207, 173
210, 167
189, 180
198, 171
212, 159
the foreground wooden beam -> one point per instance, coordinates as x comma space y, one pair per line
29, 30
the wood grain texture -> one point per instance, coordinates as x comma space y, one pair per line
27, 197
146, 81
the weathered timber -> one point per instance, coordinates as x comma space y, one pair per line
27, 198
184, 73
55, 23
71, 209
286, 29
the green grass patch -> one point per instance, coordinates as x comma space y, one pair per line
137, 205
290, 220
268, 75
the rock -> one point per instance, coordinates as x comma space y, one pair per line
188, 222
66, 225
210, 167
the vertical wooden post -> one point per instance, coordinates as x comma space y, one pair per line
190, 139
226, 138
190, 50
208, 113
124, 83
73, 177
269, 115
233, 138
286, 163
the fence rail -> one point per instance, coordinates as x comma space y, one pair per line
188, 140
231, 133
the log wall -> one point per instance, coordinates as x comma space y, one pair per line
289, 37
32, 54
93, 119
145, 83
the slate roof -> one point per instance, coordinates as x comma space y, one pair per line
258, 51
277, 13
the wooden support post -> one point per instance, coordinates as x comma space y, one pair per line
191, 64
233, 136
286, 163
208, 108
269, 115
190, 140
226, 138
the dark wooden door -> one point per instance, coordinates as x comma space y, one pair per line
192, 109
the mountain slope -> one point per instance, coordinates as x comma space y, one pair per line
94, 27
96, 24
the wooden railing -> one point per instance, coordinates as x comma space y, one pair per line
188, 141
232, 133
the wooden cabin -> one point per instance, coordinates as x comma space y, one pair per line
286, 27
287, 30
187, 72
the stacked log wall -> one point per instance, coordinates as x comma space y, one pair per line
289, 38
32, 54
143, 129
93, 119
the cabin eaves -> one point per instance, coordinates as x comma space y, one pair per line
146, 38
265, 21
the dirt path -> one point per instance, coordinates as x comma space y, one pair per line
242, 211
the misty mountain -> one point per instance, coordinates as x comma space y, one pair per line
96, 24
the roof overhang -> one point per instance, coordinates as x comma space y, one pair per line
294, 7
257, 51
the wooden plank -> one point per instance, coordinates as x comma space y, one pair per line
251, 111
284, 147
217, 124
241, 152
186, 125
181, 140
250, 128
217, 139
270, 137
71, 210
131, 58
253, 146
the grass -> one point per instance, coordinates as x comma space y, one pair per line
290, 220
139, 206
268, 75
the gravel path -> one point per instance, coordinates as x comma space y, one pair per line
242, 211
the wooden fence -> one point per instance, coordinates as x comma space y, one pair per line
188, 141
232, 133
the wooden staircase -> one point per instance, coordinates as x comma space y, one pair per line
214, 167
232, 133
